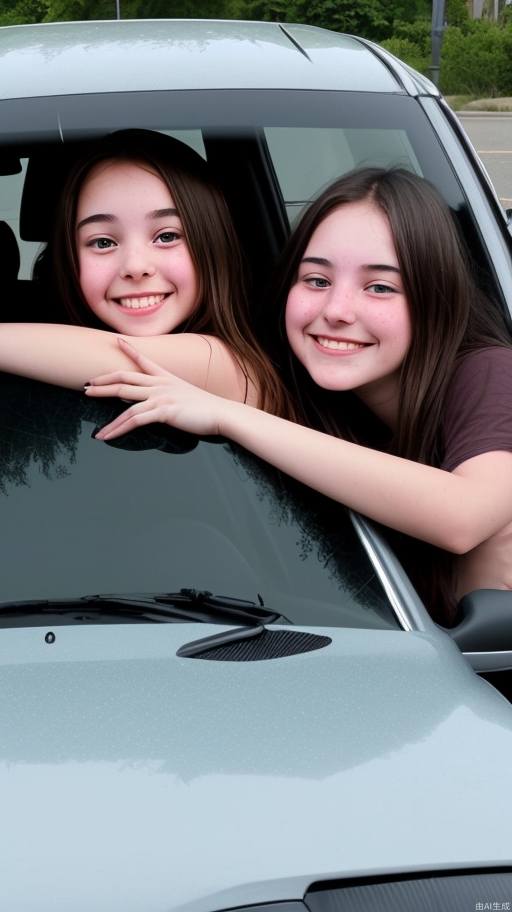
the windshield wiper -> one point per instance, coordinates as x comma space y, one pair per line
196, 605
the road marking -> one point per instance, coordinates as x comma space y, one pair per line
494, 151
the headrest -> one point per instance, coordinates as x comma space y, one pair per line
48, 169
46, 173
10, 251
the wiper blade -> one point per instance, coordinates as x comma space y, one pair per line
186, 605
238, 609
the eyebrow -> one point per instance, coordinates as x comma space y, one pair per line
98, 217
381, 267
105, 217
161, 213
320, 261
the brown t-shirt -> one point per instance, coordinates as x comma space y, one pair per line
478, 414
477, 419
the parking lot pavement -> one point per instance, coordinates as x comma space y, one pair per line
491, 135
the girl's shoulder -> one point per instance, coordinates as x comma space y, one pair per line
223, 372
486, 354
227, 375
204, 360
483, 368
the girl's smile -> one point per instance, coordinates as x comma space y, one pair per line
347, 317
337, 346
136, 271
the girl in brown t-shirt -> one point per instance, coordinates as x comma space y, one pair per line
393, 348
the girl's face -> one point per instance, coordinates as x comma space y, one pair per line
135, 268
347, 317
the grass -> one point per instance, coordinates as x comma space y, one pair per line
473, 103
459, 102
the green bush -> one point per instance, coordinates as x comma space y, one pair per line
409, 52
477, 59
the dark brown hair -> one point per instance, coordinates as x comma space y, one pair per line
222, 307
449, 316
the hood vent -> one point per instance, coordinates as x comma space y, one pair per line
263, 644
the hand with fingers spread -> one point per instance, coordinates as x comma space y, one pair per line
159, 396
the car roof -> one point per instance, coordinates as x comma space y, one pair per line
71, 58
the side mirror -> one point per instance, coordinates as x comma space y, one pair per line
484, 629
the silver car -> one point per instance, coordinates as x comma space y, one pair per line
297, 734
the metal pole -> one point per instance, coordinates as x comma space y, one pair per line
437, 38
118, 9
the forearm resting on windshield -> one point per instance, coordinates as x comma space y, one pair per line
453, 510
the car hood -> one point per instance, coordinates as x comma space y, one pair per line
132, 779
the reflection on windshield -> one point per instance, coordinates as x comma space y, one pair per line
321, 524
160, 511
33, 432
41, 426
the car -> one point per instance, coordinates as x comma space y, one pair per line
220, 690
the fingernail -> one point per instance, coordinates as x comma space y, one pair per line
86, 384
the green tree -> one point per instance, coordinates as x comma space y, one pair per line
371, 18
70, 10
457, 12
24, 11
62, 10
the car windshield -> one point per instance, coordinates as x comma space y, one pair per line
161, 511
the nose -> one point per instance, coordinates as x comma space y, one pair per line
340, 306
137, 262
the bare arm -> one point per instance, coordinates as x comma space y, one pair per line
455, 511
70, 355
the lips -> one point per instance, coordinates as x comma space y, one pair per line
140, 302
339, 345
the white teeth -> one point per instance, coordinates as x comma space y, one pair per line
140, 303
338, 344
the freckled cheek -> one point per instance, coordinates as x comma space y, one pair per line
301, 310
393, 325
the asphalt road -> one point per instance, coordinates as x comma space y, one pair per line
491, 135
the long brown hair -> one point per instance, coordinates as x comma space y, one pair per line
222, 307
449, 315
